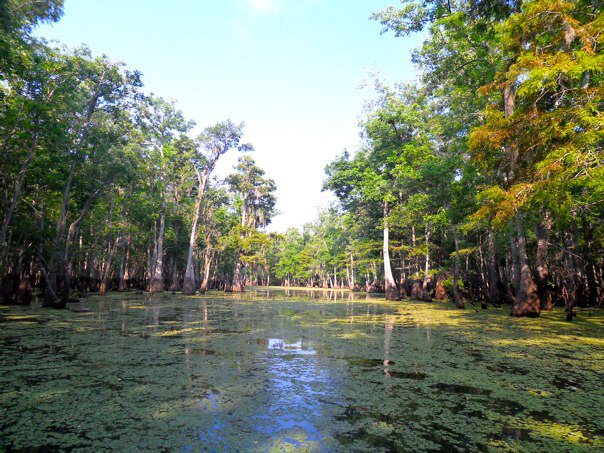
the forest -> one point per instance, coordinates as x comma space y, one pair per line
148, 302
481, 184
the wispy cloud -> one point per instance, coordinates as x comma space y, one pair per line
273, 6
264, 6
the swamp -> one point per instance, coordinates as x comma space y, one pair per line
294, 370
278, 225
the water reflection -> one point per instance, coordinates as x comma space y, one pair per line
334, 295
283, 345
296, 381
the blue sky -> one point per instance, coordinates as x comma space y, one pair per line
290, 69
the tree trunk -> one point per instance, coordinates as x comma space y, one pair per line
188, 286
14, 201
352, 282
483, 290
403, 279
207, 264
590, 263
526, 302
174, 283
67, 264
106, 268
541, 269
54, 301
157, 284
459, 303
389, 283
495, 296
237, 284
50, 295
426, 282
440, 293
71, 236
514, 268
413, 244
570, 289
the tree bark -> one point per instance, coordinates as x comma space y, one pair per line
495, 296
571, 280
188, 286
14, 201
71, 236
122, 279
389, 283
157, 284
541, 269
207, 263
459, 303
590, 263
402, 279
526, 302
50, 295
426, 281
174, 283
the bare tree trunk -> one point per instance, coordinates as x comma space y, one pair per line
352, 282
157, 284
402, 280
14, 201
188, 286
483, 291
121, 286
105, 267
335, 278
459, 303
207, 264
426, 282
174, 283
514, 268
570, 288
590, 263
389, 283
151, 259
238, 284
413, 244
71, 236
526, 302
541, 269
495, 296
50, 295
67, 264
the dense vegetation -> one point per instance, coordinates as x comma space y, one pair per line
488, 175
106, 187
482, 183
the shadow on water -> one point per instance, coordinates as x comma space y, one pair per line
279, 370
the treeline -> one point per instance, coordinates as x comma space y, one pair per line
104, 187
485, 182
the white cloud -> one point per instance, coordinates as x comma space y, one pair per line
263, 6
272, 6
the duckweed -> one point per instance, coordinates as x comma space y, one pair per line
282, 371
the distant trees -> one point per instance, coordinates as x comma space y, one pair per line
256, 199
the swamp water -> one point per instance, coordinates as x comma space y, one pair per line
272, 370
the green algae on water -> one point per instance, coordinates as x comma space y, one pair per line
281, 371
